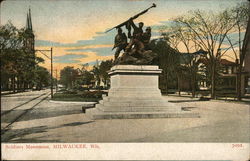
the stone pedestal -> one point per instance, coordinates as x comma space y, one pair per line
134, 93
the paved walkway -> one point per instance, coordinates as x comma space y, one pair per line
17, 99
63, 122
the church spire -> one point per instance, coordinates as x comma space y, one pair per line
29, 42
29, 22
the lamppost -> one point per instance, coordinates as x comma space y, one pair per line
51, 65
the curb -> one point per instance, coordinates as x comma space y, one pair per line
70, 102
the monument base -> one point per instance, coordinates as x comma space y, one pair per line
134, 93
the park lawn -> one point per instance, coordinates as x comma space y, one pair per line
73, 97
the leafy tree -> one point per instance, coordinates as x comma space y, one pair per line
87, 78
97, 74
68, 75
104, 67
17, 63
9, 51
42, 77
101, 71
168, 61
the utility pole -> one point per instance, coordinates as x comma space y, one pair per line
56, 81
51, 65
51, 60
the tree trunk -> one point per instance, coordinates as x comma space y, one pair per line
193, 83
13, 84
23, 85
17, 85
179, 84
166, 85
193, 87
213, 80
238, 82
165, 80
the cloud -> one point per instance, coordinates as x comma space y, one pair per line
102, 51
39, 43
101, 38
99, 47
234, 38
69, 58
163, 24
92, 63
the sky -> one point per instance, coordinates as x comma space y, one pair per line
75, 28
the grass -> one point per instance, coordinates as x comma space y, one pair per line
73, 97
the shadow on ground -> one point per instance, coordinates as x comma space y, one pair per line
11, 95
190, 100
39, 114
16, 135
219, 132
187, 108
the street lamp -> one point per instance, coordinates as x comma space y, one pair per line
51, 63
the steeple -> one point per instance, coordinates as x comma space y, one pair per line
29, 42
29, 22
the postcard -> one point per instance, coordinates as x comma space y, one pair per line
125, 79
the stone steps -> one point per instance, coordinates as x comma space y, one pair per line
96, 114
139, 103
129, 99
134, 93
137, 108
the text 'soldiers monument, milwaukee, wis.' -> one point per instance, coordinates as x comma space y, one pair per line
134, 91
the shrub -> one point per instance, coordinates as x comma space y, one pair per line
92, 94
69, 92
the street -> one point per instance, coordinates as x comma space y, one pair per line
32, 117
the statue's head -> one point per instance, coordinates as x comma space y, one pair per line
119, 30
141, 24
148, 29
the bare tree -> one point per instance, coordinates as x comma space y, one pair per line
240, 14
208, 31
178, 34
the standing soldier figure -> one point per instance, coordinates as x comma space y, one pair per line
136, 39
146, 38
120, 42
